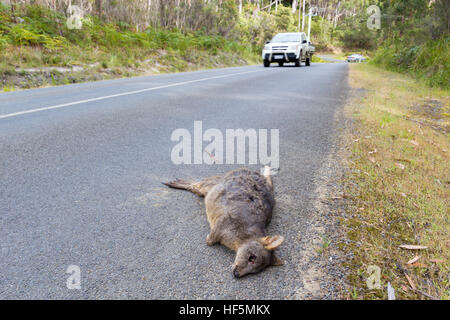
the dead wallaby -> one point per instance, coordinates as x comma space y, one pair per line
239, 206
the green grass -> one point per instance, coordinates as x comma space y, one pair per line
398, 185
324, 245
316, 59
9, 87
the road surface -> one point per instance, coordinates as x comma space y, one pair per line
81, 168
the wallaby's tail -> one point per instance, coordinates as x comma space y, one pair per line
184, 185
200, 188
179, 184
192, 186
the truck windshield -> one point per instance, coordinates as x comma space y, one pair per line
286, 38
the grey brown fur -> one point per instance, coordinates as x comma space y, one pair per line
239, 206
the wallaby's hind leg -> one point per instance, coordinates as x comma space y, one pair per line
267, 175
200, 188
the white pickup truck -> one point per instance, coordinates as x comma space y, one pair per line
288, 47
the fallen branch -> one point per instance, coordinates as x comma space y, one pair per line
426, 294
411, 283
413, 287
412, 247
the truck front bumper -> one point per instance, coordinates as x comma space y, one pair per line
280, 56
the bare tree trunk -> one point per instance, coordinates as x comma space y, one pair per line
98, 7
13, 7
177, 22
336, 16
303, 15
162, 10
148, 18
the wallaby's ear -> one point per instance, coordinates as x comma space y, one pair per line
276, 261
272, 242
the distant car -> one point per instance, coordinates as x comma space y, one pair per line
356, 58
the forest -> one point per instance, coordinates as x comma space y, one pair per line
413, 34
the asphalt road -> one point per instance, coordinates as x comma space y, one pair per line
81, 168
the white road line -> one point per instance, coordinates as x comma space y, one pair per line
15, 114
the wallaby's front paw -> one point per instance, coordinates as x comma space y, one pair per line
210, 240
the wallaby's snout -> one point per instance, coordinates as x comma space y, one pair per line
239, 205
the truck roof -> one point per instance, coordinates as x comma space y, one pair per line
291, 33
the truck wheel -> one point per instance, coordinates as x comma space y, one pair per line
298, 63
308, 62
281, 64
266, 63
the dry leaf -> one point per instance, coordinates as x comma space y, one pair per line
413, 260
403, 194
404, 288
410, 282
344, 196
414, 142
373, 151
412, 247
399, 165
372, 159
437, 260
418, 265
416, 205
402, 160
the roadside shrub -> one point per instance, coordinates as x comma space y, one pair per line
354, 34
5, 18
428, 61
432, 62
40, 37
42, 20
226, 19
21, 35
284, 19
3, 42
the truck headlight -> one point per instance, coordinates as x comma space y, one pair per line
294, 47
266, 47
